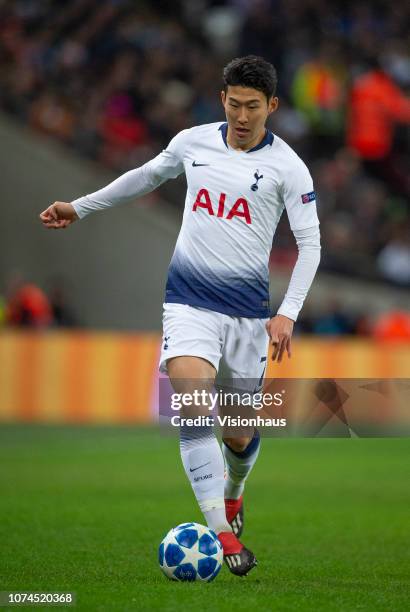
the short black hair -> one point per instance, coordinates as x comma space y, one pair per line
251, 71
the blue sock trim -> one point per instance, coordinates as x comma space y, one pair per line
250, 449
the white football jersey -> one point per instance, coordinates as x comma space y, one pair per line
233, 205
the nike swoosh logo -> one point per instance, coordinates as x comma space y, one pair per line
199, 466
195, 165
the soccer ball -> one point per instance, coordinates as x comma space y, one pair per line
190, 552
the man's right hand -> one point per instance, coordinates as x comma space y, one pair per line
59, 215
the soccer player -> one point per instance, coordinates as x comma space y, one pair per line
240, 178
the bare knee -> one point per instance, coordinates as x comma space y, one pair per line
238, 444
191, 376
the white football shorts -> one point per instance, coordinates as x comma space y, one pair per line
237, 347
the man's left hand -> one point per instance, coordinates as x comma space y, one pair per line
280, 330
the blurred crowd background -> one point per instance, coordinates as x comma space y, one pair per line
116, 79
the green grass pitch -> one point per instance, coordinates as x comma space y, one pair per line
84, 510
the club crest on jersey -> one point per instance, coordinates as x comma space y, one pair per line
239, 209
308, 197
258, 177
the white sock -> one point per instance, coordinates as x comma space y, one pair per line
204, 465
239, 465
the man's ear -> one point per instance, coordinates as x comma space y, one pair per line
223, 97
273, 104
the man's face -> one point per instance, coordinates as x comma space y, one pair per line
247, 110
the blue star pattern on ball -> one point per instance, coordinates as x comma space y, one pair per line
187, 537
190, 552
